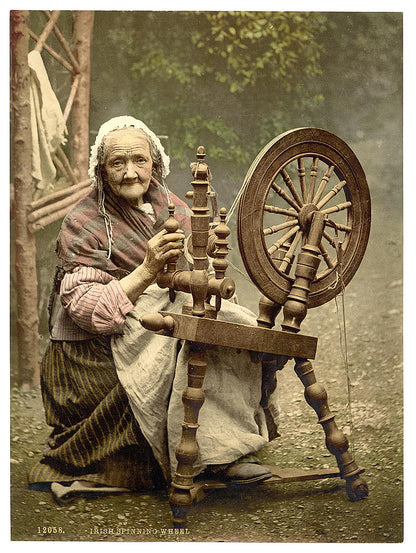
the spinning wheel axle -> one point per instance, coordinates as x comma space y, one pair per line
305, 216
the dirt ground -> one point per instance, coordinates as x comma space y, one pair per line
315, 511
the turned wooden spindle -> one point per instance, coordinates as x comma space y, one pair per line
193, 396
222, 231
312, 178
200, 229
294, 312
187, 452
296, 305
220, 263
281, 255
171, 226
268, 311
335, 440
177, 280
302, 177
156, 322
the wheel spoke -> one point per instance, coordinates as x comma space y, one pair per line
330, 239
316, 190
279, 210
312, 179
339, 226
276, 228
302, 175
291, 186
325, 256
333, 192
323, 184
283, 195
335, 208
287, 261
283, 239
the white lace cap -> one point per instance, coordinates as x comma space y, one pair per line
120, 123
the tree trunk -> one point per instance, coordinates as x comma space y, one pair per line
80, 124
25, 266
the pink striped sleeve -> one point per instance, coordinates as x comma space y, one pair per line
95, 300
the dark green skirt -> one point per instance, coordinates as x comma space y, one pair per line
95, 436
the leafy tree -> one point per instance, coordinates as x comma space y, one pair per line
216, 78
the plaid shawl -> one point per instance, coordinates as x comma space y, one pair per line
83, 237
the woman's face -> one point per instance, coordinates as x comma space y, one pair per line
128, 164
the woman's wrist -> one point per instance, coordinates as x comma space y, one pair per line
137, 281
145, 273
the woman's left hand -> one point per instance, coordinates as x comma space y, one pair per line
161, 248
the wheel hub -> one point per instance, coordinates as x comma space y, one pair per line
305, 216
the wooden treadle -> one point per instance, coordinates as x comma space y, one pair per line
299, 475
280, 475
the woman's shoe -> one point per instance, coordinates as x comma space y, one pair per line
63, 495
245, 473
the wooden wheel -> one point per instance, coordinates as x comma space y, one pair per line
299, 172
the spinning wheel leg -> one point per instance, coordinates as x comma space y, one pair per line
181, 497
336, 441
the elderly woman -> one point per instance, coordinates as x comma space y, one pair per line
111, 390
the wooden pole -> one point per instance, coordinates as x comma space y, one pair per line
52, 52
26, 275
64, 44
80, 124
47, 30
59, 194
50, 213
71, 97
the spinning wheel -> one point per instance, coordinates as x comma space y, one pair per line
303, 227
297, 174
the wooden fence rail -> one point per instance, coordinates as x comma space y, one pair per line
53, 211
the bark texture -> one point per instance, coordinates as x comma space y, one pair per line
25, 265
82, 40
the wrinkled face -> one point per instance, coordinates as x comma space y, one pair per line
128, 164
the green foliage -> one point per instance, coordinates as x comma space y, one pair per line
233, 80
248, 45
217, 78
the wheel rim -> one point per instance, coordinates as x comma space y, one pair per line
298, 172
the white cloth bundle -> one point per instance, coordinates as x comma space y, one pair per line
153, 371
47, 125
